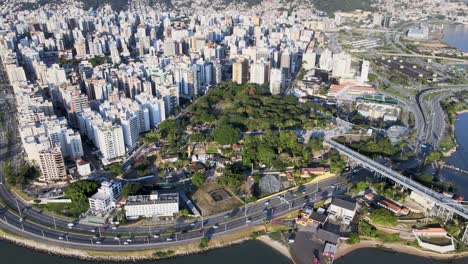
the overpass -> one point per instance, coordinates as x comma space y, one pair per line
448, 204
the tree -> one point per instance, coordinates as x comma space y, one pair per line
116, 169
198, 179
79, 192
204, 242
184, 212
316, 144
265, 154
383, 217
130, 189
226, 135
152, 137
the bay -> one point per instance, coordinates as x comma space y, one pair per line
457, 36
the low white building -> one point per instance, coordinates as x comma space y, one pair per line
106, 196
342, 210
155, 204
83, 167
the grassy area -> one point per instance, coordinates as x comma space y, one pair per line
448, 142
431, 96
60, 209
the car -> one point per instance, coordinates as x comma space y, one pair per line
192, 224
95, 237
125, 243
116, 238
114, 228
98, 242
70, 225
248, 220
129, 240
267, 203
168, 239
60, 237
21, 220
156, 236
215, 226
93, 230
226, 216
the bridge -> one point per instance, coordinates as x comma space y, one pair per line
447, 204
455, 169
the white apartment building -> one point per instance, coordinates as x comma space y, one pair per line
111, 140
153, 205
276, 81
106, 196
342, 210
259, 73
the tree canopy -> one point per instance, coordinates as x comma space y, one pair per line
383, 217
226, 135
79, 192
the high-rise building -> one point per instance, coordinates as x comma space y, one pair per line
308, 60
276, 81
240, 71
325, 62
259, 73
80, 48
111, 140
130, 128
52, 165
341, 65
365, 71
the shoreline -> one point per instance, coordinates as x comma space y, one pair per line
120, 256
345, 249
276, 245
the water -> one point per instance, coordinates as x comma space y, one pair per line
247, 253
373, 256
457, 36
459, 159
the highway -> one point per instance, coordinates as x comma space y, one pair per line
434, 115
400, 179
40, 226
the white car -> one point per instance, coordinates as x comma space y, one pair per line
168, 239
248, 221
129, 240
125, 243
116, 238
61, 238
215, 226
98, 242
156, 236
114, 228
93, 230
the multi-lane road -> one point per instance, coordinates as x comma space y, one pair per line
39, 226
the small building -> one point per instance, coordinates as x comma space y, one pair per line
396, 209
342, 210
106, 196
83, 167
153, 205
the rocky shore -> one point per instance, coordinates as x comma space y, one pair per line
119, 256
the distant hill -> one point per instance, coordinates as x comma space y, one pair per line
331, 6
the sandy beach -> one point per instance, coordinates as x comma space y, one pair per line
284, 250
345, 248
